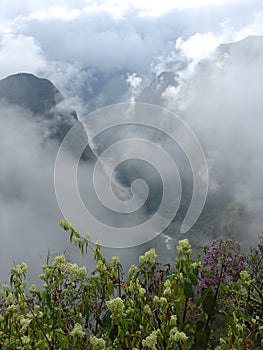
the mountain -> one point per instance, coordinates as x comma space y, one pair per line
250, 48
45, 102
222, 101
153, 92
28, 91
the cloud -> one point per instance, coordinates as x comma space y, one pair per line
29, 213
76, 44
198, 45
94, 35
220, 97
134, 81
20, 53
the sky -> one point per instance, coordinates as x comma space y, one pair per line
77, 43
67, 41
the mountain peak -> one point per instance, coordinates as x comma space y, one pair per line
248, 48
30, 92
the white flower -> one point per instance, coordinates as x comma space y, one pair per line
141, 291
134, 286
167, 290
25, 322
147, 310
116, 307
115, 260
97, 343
11, 309
59, 260
32, 288
184, 247
176, 336
132, 269
9, 299
163, 301
194, 265
101, 266
156, 299
5, 288
150, 341
173, 320
77, 331
23, 267
148, 258
25, 340
244, 275
82, 271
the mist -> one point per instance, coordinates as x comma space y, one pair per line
101, 55
222, 102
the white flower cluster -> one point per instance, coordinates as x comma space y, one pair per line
147, 310
75, 271
244, 275
59, 261
20, 270
115, 260
151, 341
134, 286
9, 299
162, 301
173, 320
184, 247
97, 343
116, 307
167, 288
196, 264
141, 291
176, 336
77, 331
101, 267
148, 258
132, 270
24, 322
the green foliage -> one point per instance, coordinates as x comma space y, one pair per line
195, 304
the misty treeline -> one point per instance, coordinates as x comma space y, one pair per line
210, 301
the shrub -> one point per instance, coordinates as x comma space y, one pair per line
213, 301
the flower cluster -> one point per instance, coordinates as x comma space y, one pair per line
97, 343
116, 306
156, 308
167, 286
151, 341
221, 262
176, 336
184, 247
77, 331
149, 257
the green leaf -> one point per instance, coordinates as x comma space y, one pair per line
188, 290
48, 300
201, 340
208, 302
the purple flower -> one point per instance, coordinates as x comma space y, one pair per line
222, 262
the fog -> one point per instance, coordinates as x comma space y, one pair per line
222, 102
97, 55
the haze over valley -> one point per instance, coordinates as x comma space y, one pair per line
60, 63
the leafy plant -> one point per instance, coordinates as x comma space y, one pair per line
213, 301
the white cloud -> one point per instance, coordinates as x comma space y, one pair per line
199, 45
254, 28
20, 53
68, 10
134, 81
122, 35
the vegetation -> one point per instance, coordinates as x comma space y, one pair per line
214, 301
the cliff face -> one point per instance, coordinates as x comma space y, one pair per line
45, 103
28, 91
